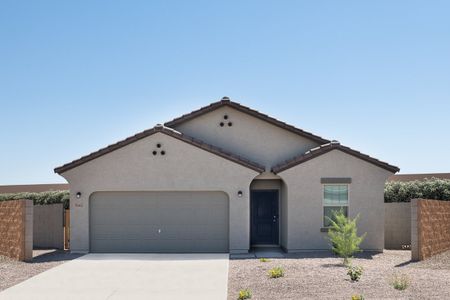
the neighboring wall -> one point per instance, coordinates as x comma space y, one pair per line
48, 228
16, 229
397, 225
430, 220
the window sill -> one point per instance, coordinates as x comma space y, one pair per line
324, 229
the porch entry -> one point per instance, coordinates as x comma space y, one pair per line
264, 211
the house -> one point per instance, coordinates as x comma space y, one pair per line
33, 188
419, 177
223, 178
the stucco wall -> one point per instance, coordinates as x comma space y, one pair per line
305, 200
249, 137
183, 168
284, 218
397, 225
16, 229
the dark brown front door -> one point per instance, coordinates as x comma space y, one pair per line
264, 217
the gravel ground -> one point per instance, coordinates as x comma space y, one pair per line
321, 276
13, 272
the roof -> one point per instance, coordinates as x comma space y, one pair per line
33, 188
170, 132
227, 102
325, 148
420, 177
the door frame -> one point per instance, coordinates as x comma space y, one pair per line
279, 217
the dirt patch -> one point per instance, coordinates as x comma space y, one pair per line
322, 276
13, 272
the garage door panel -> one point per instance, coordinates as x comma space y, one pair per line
124, 232
159, 222
166, 246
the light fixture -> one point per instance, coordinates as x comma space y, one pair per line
78, 195
240, 194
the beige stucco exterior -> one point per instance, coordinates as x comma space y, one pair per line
305, 200
185, 167
248, 136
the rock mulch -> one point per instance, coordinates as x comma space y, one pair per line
13, 272
322, 276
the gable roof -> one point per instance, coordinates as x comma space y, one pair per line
170, 132
334, 145
227, 102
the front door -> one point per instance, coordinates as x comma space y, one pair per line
264, 217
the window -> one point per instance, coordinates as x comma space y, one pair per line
335, 198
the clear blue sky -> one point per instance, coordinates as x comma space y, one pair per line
76, 76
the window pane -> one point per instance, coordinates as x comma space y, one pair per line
328, 212
335, 194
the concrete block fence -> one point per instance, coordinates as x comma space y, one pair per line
16, 229
430, 228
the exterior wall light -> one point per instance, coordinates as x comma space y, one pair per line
78, 195
240, 194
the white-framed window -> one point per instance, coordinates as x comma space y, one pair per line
335, 198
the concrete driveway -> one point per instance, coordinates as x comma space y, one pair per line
130, 276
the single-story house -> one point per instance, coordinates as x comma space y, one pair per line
33, 188
223, 178
418, 177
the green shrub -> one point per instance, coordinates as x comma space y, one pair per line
43, 198
244, 294
276, 272
262, 259
434, 188
400, 282
357, 297
355, 272
343, 235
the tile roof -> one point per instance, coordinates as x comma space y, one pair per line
325, 148
225, 101
420, 177
170, 132
33, 188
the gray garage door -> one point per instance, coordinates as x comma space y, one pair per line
158, 222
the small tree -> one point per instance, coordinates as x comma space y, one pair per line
343, 235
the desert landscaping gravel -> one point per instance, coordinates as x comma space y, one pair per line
322, 276
13, 272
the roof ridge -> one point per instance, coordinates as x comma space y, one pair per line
225, 101
170, 132
327, 147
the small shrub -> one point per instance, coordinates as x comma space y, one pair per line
343, 235
357, 297
262, 259
400, 282
355, 272
276, 272
244, 294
